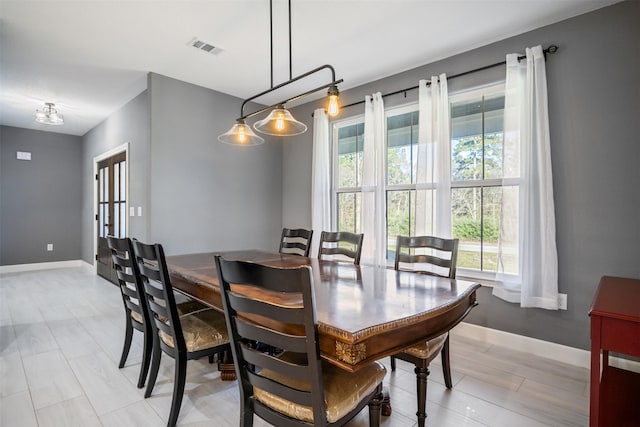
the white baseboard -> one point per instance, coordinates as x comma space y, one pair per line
557, 352
41, 266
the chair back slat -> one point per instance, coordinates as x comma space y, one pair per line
130, 292
133, 307
249, 305
438, 252
151, 271
281, 315
154, 291
159, 292
267, 361
126, 277
295, 241
297, 344
341, 243
129, 280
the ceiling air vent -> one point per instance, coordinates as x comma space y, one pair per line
204, 46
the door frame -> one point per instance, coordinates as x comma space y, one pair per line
97, 159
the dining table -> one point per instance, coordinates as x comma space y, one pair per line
364, 313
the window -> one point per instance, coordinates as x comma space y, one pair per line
401, 192
479, 180
348, 140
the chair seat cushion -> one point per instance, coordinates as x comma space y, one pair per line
185, 307
137, 316
201, 329
429, 349
343, 390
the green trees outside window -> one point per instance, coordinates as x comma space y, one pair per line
477, 184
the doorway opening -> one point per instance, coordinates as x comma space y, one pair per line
111, 206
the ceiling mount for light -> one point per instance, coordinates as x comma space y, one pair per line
280, 122
49, 115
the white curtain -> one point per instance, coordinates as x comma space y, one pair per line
373, 211
433, 179
527, 154
321, 177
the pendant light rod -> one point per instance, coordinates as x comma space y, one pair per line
290, 61
271, 37
295, 79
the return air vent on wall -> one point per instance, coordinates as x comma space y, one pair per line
204, 46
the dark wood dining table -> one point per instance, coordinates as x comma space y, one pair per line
364, 313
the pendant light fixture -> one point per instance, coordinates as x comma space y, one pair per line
280, 121
240, 134
49, 115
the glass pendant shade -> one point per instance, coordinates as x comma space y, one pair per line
240, 134
280, 122
49, 115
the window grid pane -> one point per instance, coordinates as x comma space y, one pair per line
349, 207
350, 155
116, 182
123, 181
466, 218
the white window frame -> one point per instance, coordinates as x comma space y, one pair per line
335, 126
486, 277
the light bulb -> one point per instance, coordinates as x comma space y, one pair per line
280, 123
242, 136
333, 109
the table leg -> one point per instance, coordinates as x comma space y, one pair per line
227, 368
595, 372
386, 403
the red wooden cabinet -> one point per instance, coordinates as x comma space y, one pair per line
615, 326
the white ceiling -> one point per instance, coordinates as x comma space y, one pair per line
91, 57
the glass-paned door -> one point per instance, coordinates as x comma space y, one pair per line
111, 180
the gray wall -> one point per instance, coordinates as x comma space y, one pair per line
130, 125
196, 194
594, 107
206, 195
40, 198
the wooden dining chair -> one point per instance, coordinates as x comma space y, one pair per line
135, 306
185, 337
295, 241
295, 387
338, 245
437, 257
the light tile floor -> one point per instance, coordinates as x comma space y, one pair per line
61, 334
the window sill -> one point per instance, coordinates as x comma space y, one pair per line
485, 279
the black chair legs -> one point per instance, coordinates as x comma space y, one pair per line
446, 365
146, 359
128, 335
155, 367
178, 390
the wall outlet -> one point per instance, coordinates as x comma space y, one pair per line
49, 247
562, 301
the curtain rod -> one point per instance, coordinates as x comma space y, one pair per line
551, 49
